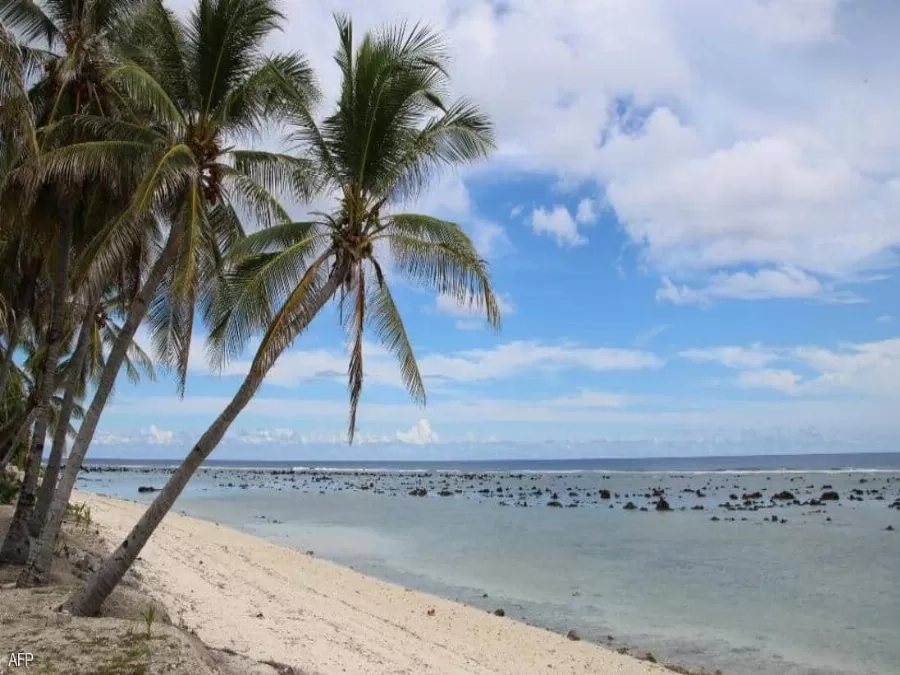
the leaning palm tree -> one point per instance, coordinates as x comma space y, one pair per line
390, 130
193, 90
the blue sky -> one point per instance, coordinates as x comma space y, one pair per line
691, 219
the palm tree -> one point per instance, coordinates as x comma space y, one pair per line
97, 333
390, 131
190, 90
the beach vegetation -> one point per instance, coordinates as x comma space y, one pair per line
391, 131
130, 175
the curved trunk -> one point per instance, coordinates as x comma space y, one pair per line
89, 600
18, 540
41, 557
51, 475
98, 587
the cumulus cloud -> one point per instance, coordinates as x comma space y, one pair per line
557, 224
759, 285
871, 368
420, 434
766, 144
157, 436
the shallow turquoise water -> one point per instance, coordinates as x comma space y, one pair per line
752, 597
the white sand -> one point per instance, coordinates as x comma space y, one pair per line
329, 620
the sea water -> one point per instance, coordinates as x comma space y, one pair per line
814, 591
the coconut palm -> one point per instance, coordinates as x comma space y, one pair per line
390, 130
98, 332
202, 84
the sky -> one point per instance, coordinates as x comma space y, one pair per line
692, 219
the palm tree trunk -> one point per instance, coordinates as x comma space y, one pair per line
41, 557
51, 474
98, 587
18, 541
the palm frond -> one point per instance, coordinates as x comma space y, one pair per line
27, 17
225, 37
259, 284
439, 256
386, 322
278, 173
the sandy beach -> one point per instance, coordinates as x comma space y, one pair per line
246, 594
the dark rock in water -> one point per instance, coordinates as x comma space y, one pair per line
715, 519
418, 492
629, 506
554, 503
147, 488
774, 519
445, 493
754, 495
663, 505
733, 497
499, 612
784, 495
573, 636
827, 487
830, 496
698, 507
889, 528
605, 494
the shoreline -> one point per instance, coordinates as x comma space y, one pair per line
243, 593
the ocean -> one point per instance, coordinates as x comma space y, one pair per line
752, 571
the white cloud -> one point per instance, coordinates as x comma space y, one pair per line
557, 224
420, 434
586, 213
724, 135
754, 356
759, 285
516, 211
157, 436
780, 380
871, 368
504, 361
591, 399
885, 318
